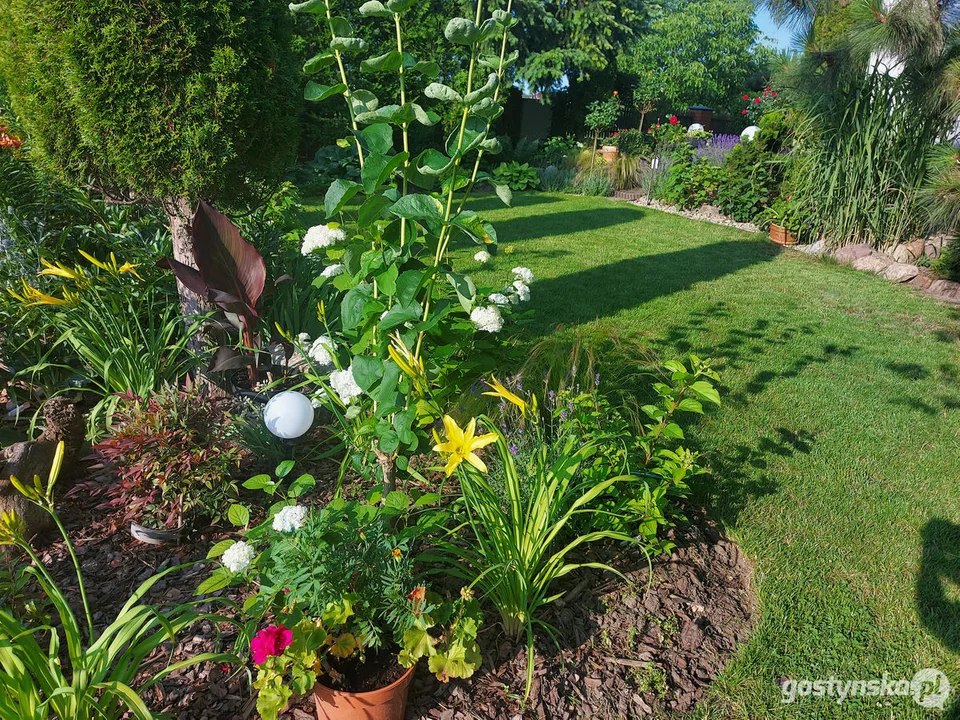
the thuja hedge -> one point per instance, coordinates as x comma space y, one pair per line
154, 99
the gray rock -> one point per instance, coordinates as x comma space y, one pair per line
817, 248
872, 263
849, 253
933, 250
25, 460
922, 281
901, 272
945, 290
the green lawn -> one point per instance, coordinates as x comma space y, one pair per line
836, 452
835, 455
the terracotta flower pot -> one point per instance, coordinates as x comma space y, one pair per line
610, 153
389, 703
781, 236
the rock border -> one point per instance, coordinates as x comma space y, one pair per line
896, 265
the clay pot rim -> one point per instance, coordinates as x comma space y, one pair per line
385, 688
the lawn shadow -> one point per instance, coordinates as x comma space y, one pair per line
937, 596
568, 222
606, 290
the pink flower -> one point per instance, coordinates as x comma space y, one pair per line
674, 120
757, 100
270, 641
773, 94
746, 97
745, 112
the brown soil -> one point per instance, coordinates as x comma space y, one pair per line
380, 670
650, 645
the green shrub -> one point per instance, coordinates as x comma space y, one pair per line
634, 142
172, 459
556, 180
559, 152
692, 183
517, 176
948, 264
594, 183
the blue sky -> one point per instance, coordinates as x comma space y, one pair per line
781, 36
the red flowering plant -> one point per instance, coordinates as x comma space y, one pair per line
758, 104
8, 141
340, 588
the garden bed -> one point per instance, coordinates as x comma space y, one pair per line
624, 649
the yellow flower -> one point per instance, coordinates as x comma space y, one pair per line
410, 364
31, 297
460, 444
112, 267
501, 392
397, 553
61, 270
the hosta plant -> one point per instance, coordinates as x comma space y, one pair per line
340, 587
517, 176
75, 671
403, 329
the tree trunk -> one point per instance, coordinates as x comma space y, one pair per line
180, 215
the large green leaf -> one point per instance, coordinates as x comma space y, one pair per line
349, 45
378, 168
444, 93
474, 133
372, 210
418, 207
374, 8
316, 92
367, 371
311, 6
433, 162
485, 91
378, 139
465, 289
399, 6
389, 62
462, 31
339, 194
363, 101
352, 306
318, 62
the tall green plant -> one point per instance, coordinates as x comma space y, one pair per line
862, 159
404, 329
96, 675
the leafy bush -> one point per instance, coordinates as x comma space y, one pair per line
340, 583
172, 459
634, 143
517, 176
77, 674
403, 331
693, 183
559, 152
948, 264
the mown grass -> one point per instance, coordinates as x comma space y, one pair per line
835, 455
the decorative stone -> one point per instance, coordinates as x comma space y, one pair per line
846, 255
945, 290
901, 272
816, 248
25, 460
921, 282
872, 263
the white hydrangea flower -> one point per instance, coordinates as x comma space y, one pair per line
525, 274
487, 319
321, 236
499, 299
345, 385
331, 271
320, 351
482, 257
317, 400
514, 299
238, 557
523, 290
304, 338
290, 518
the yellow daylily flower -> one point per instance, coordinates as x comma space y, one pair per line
61, 270
460, 444
410, 364
501, 392
31, 297
112, 267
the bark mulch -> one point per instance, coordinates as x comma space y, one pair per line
645, 647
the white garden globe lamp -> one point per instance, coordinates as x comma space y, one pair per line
748, 134
288, 415
695, 128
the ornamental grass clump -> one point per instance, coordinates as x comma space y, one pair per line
336, 586
94, 673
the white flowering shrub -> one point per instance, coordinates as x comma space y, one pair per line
405, 329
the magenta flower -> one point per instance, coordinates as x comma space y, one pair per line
270, 641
